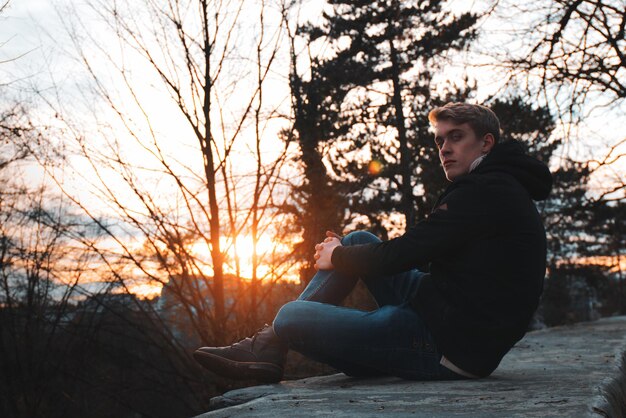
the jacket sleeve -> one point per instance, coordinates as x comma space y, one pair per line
459, 218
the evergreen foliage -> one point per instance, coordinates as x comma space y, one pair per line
355, 109
366, 148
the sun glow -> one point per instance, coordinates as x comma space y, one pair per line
244, 247
239, 255
145, 290
615, 264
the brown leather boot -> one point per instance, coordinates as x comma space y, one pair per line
260, 357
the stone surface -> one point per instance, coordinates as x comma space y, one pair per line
556, 372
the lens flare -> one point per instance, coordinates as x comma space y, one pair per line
374, 168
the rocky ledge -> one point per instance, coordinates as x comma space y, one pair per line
567, 371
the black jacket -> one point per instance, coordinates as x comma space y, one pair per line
486, 246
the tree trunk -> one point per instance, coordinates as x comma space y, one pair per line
405, 157
217, 256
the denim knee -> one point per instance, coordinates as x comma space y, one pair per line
359, 237
286, 317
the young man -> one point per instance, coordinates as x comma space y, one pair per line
486, 247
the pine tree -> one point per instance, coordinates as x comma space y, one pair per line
361, 124
353, 110
391, 45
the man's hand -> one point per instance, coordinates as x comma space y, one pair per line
324, 251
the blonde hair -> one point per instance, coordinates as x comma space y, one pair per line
480, 118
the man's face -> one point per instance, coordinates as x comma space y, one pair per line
458, 147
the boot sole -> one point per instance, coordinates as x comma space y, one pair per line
264, 372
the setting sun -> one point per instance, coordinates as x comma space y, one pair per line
241, 253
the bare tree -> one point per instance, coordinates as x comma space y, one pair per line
198, 56
574, 48
41, 273
570, 55
177, 181
43, 270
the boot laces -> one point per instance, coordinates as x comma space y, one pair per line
250, 340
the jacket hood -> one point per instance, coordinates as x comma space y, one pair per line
510, 157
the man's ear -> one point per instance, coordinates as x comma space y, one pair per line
488, 142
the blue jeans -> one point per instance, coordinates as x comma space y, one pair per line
389, 341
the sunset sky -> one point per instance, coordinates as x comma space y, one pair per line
42, 42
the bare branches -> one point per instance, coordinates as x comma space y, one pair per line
577, 45
175, 203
